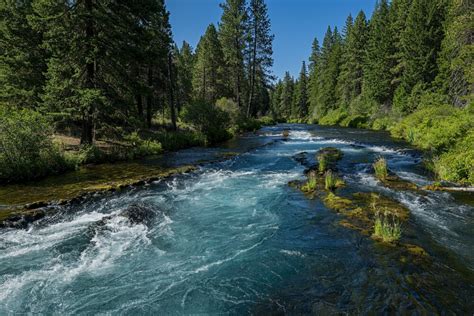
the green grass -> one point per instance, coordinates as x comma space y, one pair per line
310, 185
387, 227
330, 181
380, 168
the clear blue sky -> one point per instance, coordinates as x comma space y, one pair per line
295, 23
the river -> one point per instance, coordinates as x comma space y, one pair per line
234, 238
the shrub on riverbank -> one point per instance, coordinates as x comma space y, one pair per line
26, 148
447, 132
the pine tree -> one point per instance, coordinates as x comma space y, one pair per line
421, 42
232, 28
260, 50
377, 77
301, 94
287, 95
22, 58
208, 70
456, 75
185, 65
314, 72
275, 96
350, 80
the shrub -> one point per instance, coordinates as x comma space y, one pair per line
333, 117
457, 165
208, 120
383, 123
26, 148
380, 168
355, 121
142, 147
435, 128
387, 227
172, 141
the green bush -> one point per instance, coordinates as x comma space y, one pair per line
435, 127
209, 120
26, 148
383, 123
457, 165
176, 140
142, 147
333, 117
355, 121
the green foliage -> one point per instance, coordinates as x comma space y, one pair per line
331, 181
327, 157
26, 149
355, 121
143, 147
176, 140
457, 164
380, 168
383, 123
310, 185
208, 120
334, 117
435, 127
387, 227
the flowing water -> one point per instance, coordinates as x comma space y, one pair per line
234, 238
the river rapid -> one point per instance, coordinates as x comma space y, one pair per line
234, 238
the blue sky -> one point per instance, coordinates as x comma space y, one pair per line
295, 23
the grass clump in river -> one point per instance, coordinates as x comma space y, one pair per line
387, 227
327, 158
332, 182
310, 185
380, 168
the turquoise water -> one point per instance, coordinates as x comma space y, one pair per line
233, 238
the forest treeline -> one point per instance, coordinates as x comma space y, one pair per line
107, 69
408, 69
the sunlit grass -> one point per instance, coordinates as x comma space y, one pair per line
387, 227
380, 168
331, 181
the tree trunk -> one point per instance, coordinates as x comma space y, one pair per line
87, 135
149, 101
253, 66
171, 92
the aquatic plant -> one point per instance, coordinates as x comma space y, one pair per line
310, 185
323, 163
331, 181
387, 227
327, 157
380, 168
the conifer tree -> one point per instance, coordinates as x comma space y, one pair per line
260, 48
185, 65
22, 58
377, 75
456, 75
421, 42
287, 95
208, 70
301, 94
354, 60
314, 71
232, 32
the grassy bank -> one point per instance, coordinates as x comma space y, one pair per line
444, 132
31, 148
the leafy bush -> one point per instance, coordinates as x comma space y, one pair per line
387, 227
333, 117
380, 168
209, 120
435, 128
383, 123
355, 121
457, 165
26, 148
142, 147
172, 141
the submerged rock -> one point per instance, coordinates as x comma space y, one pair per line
139, 214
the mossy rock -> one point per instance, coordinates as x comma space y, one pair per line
337, 203
332, 154
374, 202
395, 182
